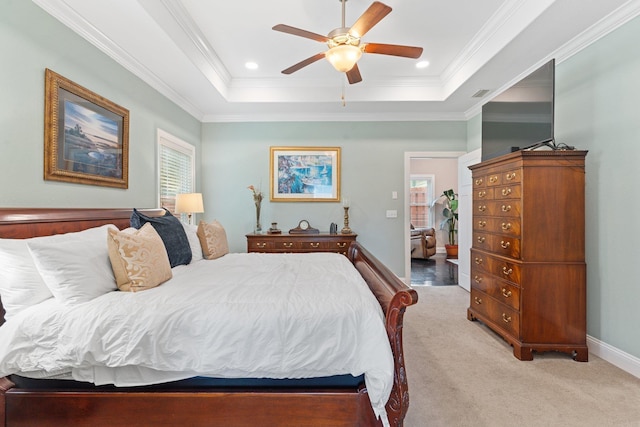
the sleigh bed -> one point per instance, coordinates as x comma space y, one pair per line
33, 402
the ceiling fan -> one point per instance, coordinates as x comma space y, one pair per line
345, 46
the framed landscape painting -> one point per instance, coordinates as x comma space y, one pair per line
86, 135
305, 174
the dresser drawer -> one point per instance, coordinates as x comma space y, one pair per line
482, 241
508, 192
483, 194
512, 177
497, 244
260, 246
479, 182
502, 291
503, 208
287, 245
504, 317
313, 245
340, 246
497, 267
505, 226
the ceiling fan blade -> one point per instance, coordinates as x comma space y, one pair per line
302, 33
393, 49
353, 75
304, 63
369, 18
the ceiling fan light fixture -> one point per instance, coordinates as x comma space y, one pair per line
343, 57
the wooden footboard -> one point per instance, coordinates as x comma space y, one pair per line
282, 407
394, 297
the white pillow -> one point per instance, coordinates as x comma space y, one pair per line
75, 266
194, 241
21, 285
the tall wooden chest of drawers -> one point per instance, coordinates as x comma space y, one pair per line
528, 271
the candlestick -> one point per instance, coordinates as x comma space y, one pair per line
346, 229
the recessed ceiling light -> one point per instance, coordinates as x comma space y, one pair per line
251, 65
422, 64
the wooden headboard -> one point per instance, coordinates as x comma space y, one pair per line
24, 223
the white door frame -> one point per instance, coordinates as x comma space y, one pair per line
465, 227
408, 155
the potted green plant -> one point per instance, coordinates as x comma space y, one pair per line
450, 220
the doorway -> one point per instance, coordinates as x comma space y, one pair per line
408, 156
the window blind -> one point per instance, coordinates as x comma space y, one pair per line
176, 169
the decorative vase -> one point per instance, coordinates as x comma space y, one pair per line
258, 229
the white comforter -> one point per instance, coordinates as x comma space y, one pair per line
240, 316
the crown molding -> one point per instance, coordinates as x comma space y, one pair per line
335, 117
70, 18
606, 25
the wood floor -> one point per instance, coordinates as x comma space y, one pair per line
432, 272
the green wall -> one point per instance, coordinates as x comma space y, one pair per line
474, 132
597, 93
236, 155
30, 41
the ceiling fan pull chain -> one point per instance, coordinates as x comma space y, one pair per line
344, 101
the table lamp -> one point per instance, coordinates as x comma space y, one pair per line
189, 203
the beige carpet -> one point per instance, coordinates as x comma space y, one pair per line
461, 374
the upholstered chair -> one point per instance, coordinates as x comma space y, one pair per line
423, 242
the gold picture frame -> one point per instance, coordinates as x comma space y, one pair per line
304, 174
86, 137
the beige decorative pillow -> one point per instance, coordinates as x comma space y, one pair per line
138, 258
213, 240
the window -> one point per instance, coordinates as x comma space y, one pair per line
176, 169
421, 196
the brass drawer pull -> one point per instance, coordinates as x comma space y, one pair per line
477, 279
261, 244
504, 245
506, 226
506, 191
288, 244
506, 208
507, 271
481, 194
482, 208
478, 300
481, 239
314, 245
506, 293
482, 224
478, 261
505, 318
493, 179
510, 176
342, 244
479, 181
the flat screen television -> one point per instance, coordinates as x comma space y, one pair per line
521, 116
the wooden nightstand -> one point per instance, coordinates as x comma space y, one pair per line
322, 242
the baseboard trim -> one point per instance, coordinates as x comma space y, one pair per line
615, 356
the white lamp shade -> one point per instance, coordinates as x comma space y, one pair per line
189, 203
343, 57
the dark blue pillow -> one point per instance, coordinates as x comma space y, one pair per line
171, 232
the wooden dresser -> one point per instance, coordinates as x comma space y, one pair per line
528, 271
323, 242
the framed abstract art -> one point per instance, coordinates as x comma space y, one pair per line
305, 174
